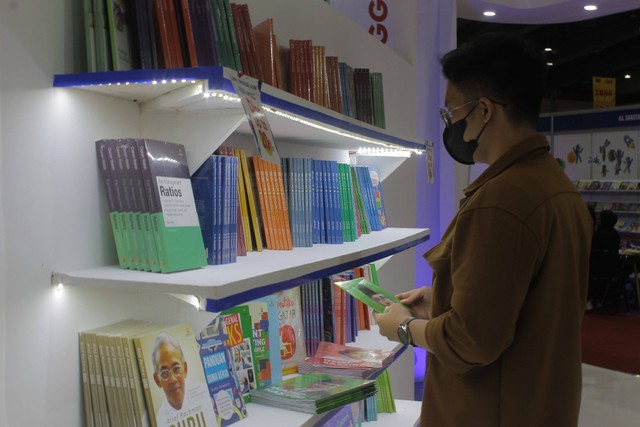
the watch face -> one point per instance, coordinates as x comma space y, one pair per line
403, 334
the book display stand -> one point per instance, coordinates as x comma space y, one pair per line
198, 107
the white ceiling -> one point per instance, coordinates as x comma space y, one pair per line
540, 11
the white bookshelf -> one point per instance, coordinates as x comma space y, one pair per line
198, 108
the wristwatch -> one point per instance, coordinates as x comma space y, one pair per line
404, 334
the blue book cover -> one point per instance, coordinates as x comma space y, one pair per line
220, 373
376, 183
335, 197
215, 189
308, 189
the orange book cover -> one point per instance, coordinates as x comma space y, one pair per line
259, 177
283, 211
295, 74
339, 311
163, 34
319, 77
188, 32
364, 320
307, 70
266, 47
175, 47
333, 84
273, 204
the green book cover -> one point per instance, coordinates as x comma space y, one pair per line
89, 35
370, 294
266, 340
112, 201
121, 216
233, 39
223, 44
127, 149
363, 220
144, 216
103, 57
119, 34
241, 342
174, 218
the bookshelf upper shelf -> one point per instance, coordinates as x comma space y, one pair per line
255, 275
190, 89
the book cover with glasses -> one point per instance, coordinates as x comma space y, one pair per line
176, 390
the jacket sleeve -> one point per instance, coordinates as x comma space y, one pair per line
493, 259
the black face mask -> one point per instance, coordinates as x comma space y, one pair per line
453, 137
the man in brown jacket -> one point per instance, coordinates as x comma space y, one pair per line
501, 322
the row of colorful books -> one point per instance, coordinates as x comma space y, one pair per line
153, 34
297, 203
607, 185
132, 369
630, 207
332, 314
325, 80
164, 220
627, 226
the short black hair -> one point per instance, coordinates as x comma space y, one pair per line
608, 219
503, 67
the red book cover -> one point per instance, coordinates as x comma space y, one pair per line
250, 38
188, 32
267, 51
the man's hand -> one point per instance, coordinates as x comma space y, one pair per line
389, 320
418, 300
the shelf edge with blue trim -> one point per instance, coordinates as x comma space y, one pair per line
190, 89
617, 117
255, 275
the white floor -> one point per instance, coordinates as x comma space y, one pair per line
609, 398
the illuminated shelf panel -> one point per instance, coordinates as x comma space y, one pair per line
255, 275
206, 88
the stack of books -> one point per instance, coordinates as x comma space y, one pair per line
314, 393
346, 361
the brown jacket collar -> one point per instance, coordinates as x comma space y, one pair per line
529, 147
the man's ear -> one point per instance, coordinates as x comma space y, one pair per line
156, 379
186, 368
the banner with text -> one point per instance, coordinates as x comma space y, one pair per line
375, 16
604, 92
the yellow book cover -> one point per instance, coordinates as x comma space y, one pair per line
244, 208
251, 201
179, 395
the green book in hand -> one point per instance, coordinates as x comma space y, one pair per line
370, 294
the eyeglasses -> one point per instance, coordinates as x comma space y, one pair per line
165, 373
446, 114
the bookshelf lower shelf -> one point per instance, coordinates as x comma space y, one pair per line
407, 414
255, 275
